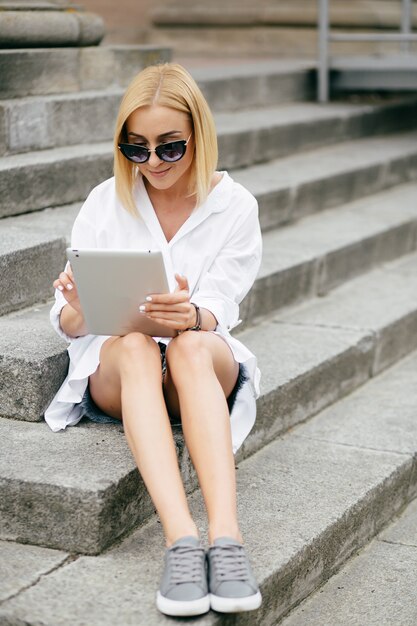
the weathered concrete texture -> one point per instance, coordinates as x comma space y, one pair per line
308, 369
32, 253
376, 587
230, 87
22, 566
78, 490
36, 123
382, 301
382, 415
300, 185
63, 70
49, 29
353, 492
49, 121
322, 251
258, 135
404, 529
52, 177
33, 364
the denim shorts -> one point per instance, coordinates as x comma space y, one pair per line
95, 414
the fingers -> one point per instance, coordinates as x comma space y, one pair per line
64, 282
182, 283
167, 298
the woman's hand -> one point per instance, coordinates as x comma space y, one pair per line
173, 310
66, 284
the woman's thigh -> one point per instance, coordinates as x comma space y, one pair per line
105, 383
221, 360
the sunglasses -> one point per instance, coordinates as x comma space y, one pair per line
169, 152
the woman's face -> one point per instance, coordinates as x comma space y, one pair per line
154, 125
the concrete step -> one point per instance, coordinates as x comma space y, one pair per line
307, 502
299, 185
39, 122
378, 583
301, 260
81, 486
363, 166
62, 70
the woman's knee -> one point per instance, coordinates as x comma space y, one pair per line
188, 349
137, 347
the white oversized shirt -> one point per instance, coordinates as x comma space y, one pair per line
218, 249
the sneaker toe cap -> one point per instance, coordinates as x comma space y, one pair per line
235, 589
186, 591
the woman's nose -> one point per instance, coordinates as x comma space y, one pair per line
154, 160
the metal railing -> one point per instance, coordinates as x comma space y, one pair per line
326, 36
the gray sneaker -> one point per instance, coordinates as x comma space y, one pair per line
232, 585
183, 589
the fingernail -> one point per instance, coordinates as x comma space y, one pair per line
142, 308
60, 287
148, 298
69, 286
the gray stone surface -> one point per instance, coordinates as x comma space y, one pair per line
49, 121
49, 29
33, 364
376, 587
315, 503
299, 185
32, 253
258, 135
322, 251
382, 415
63, 70
23, 566
77, 490
307, 369
382, 302
404, 529
52, 177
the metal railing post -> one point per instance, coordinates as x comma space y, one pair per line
406, 23
323, 44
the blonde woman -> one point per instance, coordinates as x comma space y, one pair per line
167, 195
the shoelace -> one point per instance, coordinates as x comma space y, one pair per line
185, 564
230, 562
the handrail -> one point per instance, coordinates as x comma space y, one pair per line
405, 37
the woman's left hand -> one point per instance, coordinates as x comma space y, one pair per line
173, 310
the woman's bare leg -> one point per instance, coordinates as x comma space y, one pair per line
201, 374
128, 381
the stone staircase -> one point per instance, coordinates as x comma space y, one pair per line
332, 318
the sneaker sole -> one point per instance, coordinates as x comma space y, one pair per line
182, 608
235, 605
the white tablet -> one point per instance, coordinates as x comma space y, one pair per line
112, 284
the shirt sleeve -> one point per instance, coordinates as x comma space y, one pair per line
83, 236
233, 272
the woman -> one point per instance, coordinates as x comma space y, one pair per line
167, 195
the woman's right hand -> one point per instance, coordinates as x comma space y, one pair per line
66, 285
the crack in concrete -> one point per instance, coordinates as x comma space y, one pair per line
371, 331
398, 543
69, 559
356, 447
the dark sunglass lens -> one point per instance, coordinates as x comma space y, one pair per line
171, 151
137, 154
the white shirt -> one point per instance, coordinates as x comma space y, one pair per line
218, 249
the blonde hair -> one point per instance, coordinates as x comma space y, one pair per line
168, 85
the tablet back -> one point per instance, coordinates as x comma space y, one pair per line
112, 284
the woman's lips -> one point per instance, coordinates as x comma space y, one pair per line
160, 174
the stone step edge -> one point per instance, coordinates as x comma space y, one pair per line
45, 71
384, 169
20, 136
347, 370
